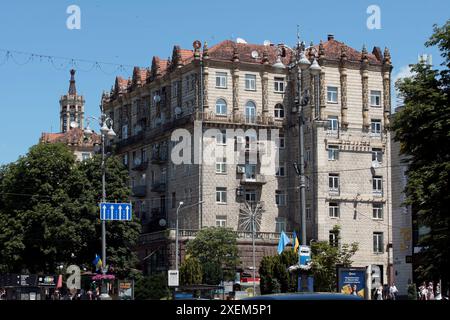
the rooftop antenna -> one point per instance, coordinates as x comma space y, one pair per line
298, 36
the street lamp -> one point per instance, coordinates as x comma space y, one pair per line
176, 237
106, 129
302, 63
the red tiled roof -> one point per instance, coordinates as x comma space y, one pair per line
74, 136
333, 50
186, 55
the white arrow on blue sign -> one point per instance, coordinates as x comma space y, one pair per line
115, 211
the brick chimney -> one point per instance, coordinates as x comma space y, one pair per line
330, 36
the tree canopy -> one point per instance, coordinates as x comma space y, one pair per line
422, 127
49, 212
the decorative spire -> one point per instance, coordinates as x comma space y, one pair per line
387, 56
364, 57
265, 59
72, 87
343, 53
235, 54
321, 50
205, 50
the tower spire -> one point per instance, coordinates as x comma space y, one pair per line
72, 87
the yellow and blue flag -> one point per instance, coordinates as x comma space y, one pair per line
295, 241
97, 262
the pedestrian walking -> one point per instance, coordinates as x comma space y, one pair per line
379, 293
423, 292
393, 291
430, 291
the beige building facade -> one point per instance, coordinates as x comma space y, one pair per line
233, 86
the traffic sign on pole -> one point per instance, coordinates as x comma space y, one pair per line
115, 211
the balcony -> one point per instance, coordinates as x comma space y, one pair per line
159, 187
159, 157
139, 191
241, 118
255, 179
141, 166
130, 140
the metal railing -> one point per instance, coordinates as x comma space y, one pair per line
242, 118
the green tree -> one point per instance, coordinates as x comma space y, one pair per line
191, 271
152, 288
422, 127
49, 211
217, 251
325, 258
274, 274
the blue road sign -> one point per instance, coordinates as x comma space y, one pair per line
115, 211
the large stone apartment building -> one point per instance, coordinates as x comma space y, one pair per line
236, 85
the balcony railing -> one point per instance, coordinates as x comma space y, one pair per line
242, 118
139, 191
159, 187
253, 179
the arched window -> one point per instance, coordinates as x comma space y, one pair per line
221, 107
250, 112
279, 111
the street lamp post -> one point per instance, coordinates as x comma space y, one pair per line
176, 237
106, 131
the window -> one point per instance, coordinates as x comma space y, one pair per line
280, 198
280, 142
221, 195
333, 123
174, 200
332, 94
333, 182
281, 170
221, 138
333, 153
375, 98
333, 210
85, 156
250, 196
143, 155
308, 213
333, 237
250, 112
279, 111
124, 131
221, 107
221, 79
250, 172
221, 221
221, 165
376, 127
279, 85
175, 89
377, 211
378, 242
125, 159
377, 184
280, 224
377, 155
250, 82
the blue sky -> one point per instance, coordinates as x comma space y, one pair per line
131, 32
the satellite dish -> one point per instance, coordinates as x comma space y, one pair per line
74, 124
240, 40
162, 222
255, 54
267, 42
177, 110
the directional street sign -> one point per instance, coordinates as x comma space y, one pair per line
115, 211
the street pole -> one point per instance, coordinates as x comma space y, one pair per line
254, 256
176, 238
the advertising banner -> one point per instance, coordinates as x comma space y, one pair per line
352, 281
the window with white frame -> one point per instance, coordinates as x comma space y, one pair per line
280, 198
221, 79
333, 182
376, 127
377, 185
378, 246
221, 195
250, 196
332, 94
221, 107
375, 98
279, 85
281, 170
280, 225
280, 141
221, 221
333, 123
279, 111
377, 155
250, 112
221, 165
250, 82
333, 210
333, 238
221, 138
333, 153
377, 211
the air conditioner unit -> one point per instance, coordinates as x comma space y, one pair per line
240, 169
